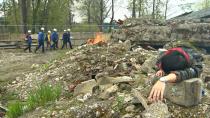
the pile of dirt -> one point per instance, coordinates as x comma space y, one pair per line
142, 29
109, 80
147, 30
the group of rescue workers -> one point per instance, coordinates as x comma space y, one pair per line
51, 39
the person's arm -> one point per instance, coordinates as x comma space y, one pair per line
188, 73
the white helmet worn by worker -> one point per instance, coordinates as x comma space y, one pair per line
49, 31
69, 30
64, 30
42, 28
55, 30
29, 31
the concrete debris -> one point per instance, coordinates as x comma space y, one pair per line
113, 80
85, 87
108, 92
156, 110
141, 99
187, 93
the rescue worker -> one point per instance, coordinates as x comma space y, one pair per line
65, 39
40, 40
48, 39
54, 37
175, 65
69, 38
28, 41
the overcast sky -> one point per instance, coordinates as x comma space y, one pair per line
174, 9
122, 5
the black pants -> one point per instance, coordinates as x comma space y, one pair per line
57, 44
28, 47
41, 44
64, 44
69, 41
53, 46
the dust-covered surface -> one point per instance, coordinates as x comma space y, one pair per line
103, 81
117, 71
144, 29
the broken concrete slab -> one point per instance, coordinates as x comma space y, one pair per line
156, 110
108, 92
140, 98
207, 79
114, 80
149, 65
208, 86
85, 87
187, 93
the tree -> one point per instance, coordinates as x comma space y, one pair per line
112, 18
134, 9
166, 8
23, 6
153, 9
35, 8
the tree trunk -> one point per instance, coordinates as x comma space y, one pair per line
153, 9
166, 9
23, 7
140, 8
112, 18
134, 9
89, 12
35, 8
101, 15
15, 14
70, 12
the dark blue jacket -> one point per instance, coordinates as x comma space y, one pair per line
54, 36
65, 36
29, 39
69, 36
41, 37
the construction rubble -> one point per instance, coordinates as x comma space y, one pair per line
113, 80
138, 30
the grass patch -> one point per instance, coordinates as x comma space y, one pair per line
15, 109
40, 97
118, 105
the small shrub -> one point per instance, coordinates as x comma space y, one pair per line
15, 110
118, 106
43, 94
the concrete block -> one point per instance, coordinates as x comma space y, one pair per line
85, 87
187, 93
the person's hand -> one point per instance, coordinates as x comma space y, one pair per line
160, 73
157, 92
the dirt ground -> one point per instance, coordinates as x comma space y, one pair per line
14, 63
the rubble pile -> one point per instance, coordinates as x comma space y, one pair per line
145, 30
190, 31
111, 80
142, 29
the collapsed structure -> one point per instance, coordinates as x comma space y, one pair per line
113, 79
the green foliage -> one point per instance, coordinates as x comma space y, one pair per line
203, 4
118, 105
39, 97
15, 110
85, 28
42, 95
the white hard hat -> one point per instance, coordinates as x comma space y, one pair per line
55, 30
42, 28
69, 30
64, 30
29, 31
49, 31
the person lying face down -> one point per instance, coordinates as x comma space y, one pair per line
175, 65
